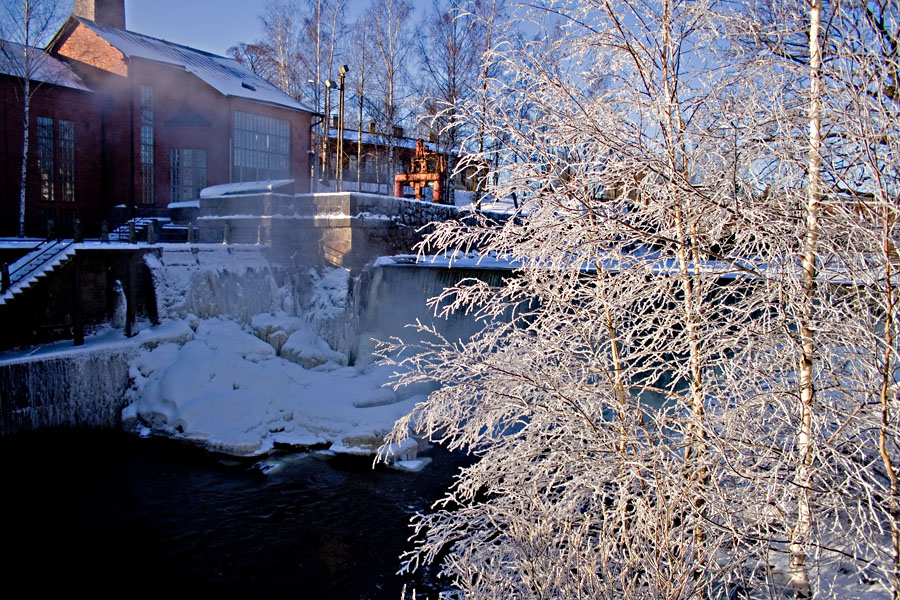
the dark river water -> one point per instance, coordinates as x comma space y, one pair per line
113, 515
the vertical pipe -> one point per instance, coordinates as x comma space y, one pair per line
77, 314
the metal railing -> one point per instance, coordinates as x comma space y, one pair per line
32, 262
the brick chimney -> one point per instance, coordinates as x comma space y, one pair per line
105, 12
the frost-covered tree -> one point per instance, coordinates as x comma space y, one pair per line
866, 74
687, 390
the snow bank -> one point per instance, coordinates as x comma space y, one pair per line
227, 390
248, 187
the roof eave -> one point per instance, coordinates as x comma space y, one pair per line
270, 103
63, 32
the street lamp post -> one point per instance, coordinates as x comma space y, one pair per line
327, 128
339, 169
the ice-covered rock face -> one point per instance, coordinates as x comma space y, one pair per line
261, 368
220, 281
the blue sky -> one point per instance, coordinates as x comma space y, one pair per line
211, 25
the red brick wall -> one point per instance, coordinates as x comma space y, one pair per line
175, 94
85, 46
85, 110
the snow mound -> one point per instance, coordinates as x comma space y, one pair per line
275, 329
227, 390
309, 350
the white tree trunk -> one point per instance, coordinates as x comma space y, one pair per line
26, 101
803, 477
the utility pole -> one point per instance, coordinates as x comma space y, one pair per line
312, 151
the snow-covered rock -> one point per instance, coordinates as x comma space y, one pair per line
227, 390
308, 350
276, 328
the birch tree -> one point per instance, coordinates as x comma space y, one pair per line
29, 23
840, 58
687, 389
361, 56
625, 240
859, 78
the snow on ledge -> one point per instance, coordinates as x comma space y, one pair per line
185, 204
247, 187
451, 260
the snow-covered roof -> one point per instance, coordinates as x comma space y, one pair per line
378, 139
225, 75
44, 67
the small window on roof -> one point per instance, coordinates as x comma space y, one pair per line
244, 84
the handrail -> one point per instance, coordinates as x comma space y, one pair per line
53, 249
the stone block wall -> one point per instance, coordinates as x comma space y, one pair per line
339, 229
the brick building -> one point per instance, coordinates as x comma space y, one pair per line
173, 120
372, 153
66, 117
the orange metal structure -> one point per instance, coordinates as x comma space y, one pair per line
425, 168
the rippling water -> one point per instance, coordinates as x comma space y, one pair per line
108, 513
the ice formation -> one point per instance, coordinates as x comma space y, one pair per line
257, 373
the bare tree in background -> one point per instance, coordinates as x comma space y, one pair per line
360, 54
281, 29
277, 55
30, 24
257, 57
389, 20
449, 55
301, 41
490, 14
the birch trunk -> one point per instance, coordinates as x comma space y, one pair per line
800, 535
885, 399
25, 142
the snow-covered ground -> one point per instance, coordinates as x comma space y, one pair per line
229, 390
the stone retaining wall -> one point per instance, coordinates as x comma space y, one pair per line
84, 389
340, 229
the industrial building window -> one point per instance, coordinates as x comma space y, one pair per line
148, 195
67, 160
45, 156
188, 173
262, 148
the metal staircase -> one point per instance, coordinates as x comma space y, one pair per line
34, 266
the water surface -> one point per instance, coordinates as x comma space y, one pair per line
110, 514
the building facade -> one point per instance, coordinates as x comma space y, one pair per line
62, 181
172, 120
